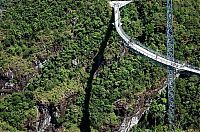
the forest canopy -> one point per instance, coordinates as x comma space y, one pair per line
64, 59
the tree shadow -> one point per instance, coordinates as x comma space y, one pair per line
85, 121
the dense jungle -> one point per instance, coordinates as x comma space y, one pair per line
63, 66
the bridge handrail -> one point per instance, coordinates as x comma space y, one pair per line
154, 52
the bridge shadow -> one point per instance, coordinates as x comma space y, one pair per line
85, 121
187, 74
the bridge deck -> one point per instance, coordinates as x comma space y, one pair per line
144, 50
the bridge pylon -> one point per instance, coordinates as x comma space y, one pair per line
119, 3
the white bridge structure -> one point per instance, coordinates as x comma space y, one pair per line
140, 48
137, 46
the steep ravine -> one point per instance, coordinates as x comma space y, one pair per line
48, 113
12, 81
142, 105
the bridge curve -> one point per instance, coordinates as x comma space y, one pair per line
137, 46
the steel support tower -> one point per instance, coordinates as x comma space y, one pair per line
171, 70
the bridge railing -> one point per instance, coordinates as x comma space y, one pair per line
141, 45
154, 52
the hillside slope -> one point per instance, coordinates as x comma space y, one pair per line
65, 67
